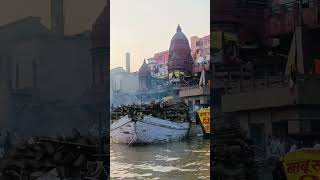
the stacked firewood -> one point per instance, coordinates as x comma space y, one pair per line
70, 157
169, 110
233, 157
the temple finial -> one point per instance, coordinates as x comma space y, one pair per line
178, 28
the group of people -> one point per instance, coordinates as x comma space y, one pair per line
5, 143
279, 146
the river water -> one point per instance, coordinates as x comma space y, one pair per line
185, 160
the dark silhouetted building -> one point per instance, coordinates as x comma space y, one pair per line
144, 77
57, 16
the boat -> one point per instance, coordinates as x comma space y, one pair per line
142, 126
148, 130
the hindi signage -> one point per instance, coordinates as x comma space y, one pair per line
303, 164
204, 115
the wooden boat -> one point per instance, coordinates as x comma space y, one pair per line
148, 130
150, 123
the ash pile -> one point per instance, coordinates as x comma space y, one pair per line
169, 110
75, 157
233, 155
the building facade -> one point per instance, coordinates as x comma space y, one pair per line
200, 48
123, 86
161, 59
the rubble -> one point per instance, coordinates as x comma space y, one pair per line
68, 157
233, 156
169, 110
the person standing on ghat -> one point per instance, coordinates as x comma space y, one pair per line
7, 143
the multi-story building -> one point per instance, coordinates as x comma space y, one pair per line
161, 59
200, 48
123, 86
152, 65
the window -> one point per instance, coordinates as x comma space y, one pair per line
197, 43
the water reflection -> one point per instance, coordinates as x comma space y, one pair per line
185, 160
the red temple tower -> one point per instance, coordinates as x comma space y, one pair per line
180, 58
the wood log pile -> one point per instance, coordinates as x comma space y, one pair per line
70, 157
169, 110
233, 157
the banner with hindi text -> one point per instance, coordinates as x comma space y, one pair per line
302, 164
204, 115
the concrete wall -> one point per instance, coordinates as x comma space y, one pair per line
257, 99
194, 91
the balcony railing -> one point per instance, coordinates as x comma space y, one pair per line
238, 86
248, 85
194, 91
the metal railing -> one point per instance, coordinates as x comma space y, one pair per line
242, 85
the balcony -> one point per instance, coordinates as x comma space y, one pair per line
194, 91
242, 96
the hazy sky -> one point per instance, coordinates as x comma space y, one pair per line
144, 27
79, 14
